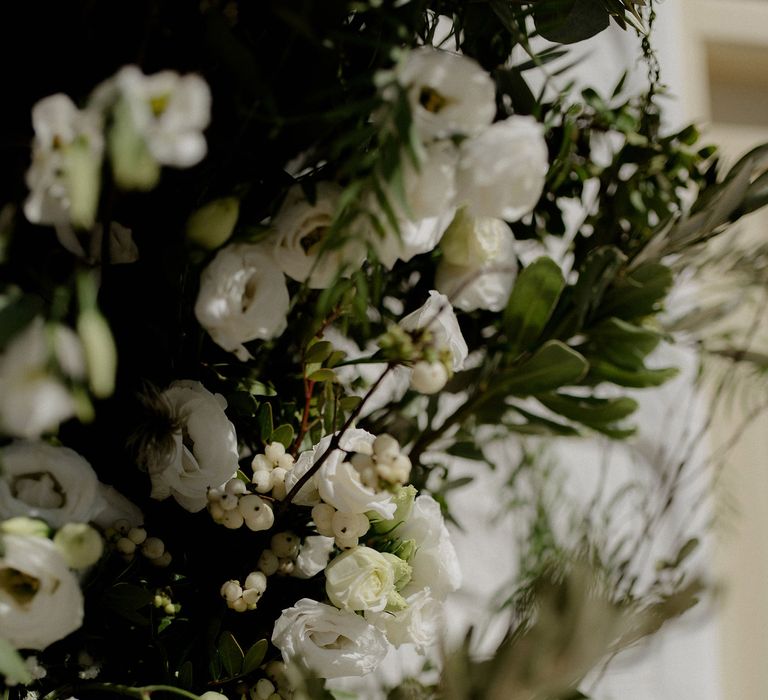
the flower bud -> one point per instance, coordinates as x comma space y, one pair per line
211, 225
22, 525
100, 352
80, 544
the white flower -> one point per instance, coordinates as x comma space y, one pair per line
502, 171
170, 111
437, 315
205, 454
448, 93
479, 264
337, 482
434, 564
242, 297
332, 643
417, 624
360, 579
113, 507
40, 599
33, 400
313, 556
52, 483
429, 205
300, 236
66, 161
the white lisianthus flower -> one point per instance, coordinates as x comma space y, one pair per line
52, 483
360, 579
33, 400
40, 599
300, 230
448, 93
427, 209
333, 643
437, 315
242, 297
66, 161
501, 172
479, 264
337, 482
313, 556
205, 447
169, 111
417, 624
434, 564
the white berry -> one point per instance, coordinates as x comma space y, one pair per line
268, 562
257, 581
231, 590
429, 377
285, 544
274, 451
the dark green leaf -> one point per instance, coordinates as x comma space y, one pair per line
466, 450
589, 410
602, 371
640, 293
532, 302
186, 677
318, 352
323, 375
283, 434
266, 427
569, 21
255, 656
596, 274
622, 343
231, 654
552, 366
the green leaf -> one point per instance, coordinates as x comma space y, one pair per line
266, 426
231, 654
532, 302
323, 375
640, 293
538, 425
589, 410
12, 665
569, 21
282, 434
602, 371
622, 343
255, 656
350, 403
318, 352
598, 271
335, 357
552, 366
126, 599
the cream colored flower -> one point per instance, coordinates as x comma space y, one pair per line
448, 93
205, 447
40, 599
300, 230
242, 297
360, 579
333, 643
502, 170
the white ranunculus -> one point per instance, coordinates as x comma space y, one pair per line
437, 315
501, 172
242, 297
448, 93
52, 483
300, 230
479, 264
313, 556
33, 400
417, 624
333, 643
40, 599
434, 564
67, 150
205, 454
360, 579
170, 111
337, 482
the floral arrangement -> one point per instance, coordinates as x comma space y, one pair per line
265, 268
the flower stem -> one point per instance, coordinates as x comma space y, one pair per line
142, 693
